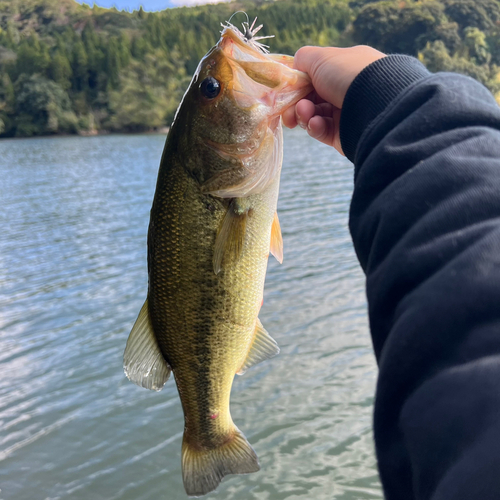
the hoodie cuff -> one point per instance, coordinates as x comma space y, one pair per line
371, 92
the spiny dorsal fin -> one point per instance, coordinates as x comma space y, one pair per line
276, 239
263, 347
231, 237
203, 469
143, 361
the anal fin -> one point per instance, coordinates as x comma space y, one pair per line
276, 239
143, 361
263, 347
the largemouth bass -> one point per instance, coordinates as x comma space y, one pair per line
213, 223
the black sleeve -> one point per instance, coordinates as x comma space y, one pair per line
425, 222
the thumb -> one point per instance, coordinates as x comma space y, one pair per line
332, 69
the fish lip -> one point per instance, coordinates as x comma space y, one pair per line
232, 34
230, 37
271, 74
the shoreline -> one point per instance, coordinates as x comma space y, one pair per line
96, 133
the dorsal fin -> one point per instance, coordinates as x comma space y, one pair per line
143, 361
263, 347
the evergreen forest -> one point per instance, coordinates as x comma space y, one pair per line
67, 68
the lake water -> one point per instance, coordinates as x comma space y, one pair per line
74, 215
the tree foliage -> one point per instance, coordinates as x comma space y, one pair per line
66, 67
148, 95
42, 107
395, 27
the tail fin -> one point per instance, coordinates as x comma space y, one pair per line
203, 470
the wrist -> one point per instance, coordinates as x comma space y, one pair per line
371, 92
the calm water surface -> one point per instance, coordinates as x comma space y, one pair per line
74, 215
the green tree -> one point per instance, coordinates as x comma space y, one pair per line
7, 94
9, 35
394, 27
435, 56
95, 58
124, 50
42, 107
149, 93
128, 71
5, 39
139, 47
60, 70
32, 57
89, 36
493, 41
7, 102
448, 33
475, 41
113, 65
481, 14
79, 66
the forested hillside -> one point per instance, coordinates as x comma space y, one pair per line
69, 68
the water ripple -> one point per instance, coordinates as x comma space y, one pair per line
73, 278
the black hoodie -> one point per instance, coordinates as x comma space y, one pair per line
425, 222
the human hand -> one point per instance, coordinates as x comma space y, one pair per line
332, 70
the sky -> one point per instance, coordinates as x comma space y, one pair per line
148, 5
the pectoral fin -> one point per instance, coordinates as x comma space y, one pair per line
143, 361
276, 239
231, 237
263, 347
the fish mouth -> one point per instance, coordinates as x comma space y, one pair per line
264, 86
258, 77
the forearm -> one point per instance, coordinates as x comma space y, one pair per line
424, 222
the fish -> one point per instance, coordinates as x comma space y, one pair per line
213, 224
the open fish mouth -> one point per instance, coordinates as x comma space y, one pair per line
258, 88
260, 77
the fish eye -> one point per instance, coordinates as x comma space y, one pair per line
210, 87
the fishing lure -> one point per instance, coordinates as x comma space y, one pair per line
249, 32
